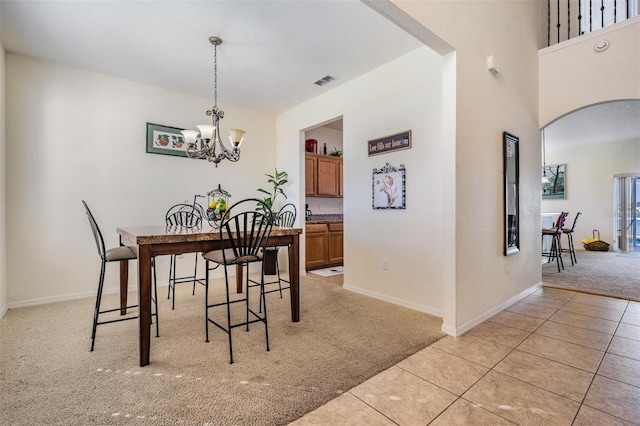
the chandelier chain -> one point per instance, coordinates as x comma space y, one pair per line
215, 76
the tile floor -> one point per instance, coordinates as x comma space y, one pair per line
554, 358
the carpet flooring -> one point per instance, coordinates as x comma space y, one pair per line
48, 376
602, 273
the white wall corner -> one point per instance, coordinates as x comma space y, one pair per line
454, 331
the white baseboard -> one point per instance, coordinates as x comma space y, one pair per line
463, 328
73, 296
395, 301
54, 299
92, 293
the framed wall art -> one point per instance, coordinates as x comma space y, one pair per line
388, 187
389, 143
165, 140
554, 190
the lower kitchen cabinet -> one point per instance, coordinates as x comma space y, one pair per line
335, 243
324, 245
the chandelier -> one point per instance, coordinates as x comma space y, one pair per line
205, 142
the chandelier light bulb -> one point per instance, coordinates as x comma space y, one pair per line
190, 136
545, 179
236, 136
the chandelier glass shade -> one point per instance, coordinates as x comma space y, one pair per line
206, 142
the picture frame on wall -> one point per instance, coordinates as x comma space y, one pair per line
555, 189
165, 140
388, 187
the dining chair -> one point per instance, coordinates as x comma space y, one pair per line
116, 254
569, 233
555, 252
244, 233
182, 216
285, 218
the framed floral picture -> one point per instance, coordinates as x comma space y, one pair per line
388, 187
165, 140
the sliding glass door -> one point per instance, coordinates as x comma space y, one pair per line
627, 208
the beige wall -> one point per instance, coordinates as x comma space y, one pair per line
73, 135
3, 197
487, 105
589, 184
573, 75
405, 94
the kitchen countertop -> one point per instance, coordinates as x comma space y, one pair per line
325, 218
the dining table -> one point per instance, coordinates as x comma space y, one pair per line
151, 241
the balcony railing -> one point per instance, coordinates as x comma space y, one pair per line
567, 19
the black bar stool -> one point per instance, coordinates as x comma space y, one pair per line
115, 254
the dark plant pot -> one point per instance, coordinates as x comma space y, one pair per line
270, 260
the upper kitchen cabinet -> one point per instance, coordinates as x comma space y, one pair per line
310, 175
323, 175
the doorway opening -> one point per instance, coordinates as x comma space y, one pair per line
627, 212
323, 172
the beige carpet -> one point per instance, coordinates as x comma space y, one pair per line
48, 376
603, 273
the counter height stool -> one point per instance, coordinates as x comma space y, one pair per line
184, 216
555, 252
285, 218
115, 254
244, 233
569, 233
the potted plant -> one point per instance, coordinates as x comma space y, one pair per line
277, 181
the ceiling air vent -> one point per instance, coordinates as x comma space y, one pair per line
324, 80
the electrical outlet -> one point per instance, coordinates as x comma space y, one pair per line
385, 264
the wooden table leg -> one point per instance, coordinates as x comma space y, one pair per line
144, 302
124, 285
294, 277
239, 273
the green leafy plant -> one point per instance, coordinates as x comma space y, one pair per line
336, 152
277, 181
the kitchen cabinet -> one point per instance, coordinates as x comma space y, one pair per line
316, 243
310, 175
335, 243
323, 176
324, 245
340, 177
